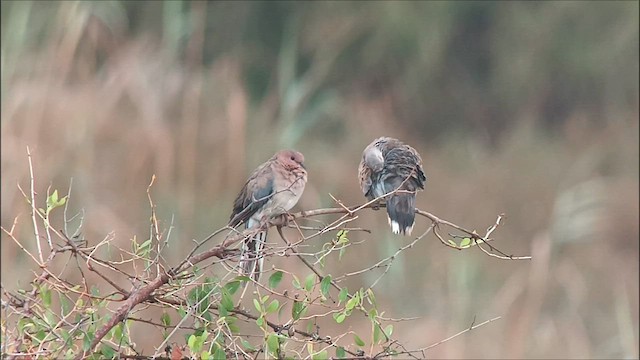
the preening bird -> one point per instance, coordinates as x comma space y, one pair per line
272, 189
388, 164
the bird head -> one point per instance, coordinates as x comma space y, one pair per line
290, 159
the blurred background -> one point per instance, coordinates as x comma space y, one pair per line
523, 108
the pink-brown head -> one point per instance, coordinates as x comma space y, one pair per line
290, 159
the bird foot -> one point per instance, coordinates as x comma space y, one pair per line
376, 205
282, 219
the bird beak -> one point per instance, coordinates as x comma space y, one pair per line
302, 165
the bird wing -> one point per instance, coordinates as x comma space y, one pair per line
400, 163
254, 195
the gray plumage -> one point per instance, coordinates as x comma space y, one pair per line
388, 164
272, 189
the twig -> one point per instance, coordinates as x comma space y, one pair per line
33, 206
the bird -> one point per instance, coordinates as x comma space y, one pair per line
271, 190
388, 165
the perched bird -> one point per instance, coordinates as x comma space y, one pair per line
388, 164
271, 190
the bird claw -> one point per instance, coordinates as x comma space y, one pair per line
282, 219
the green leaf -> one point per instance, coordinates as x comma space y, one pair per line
341, 253
341, 353
465, 242
247, 345
273, 306
325, 285
357, 340
452, 242
260, 321
45, 294
165, 319
242, 278
373, 313
225, 300
65, 305
376, 333
145, 245
273, 344
298, 309
86, 341
388, 330
52, 200
108, 352
232, 286
322, 355
193, 339
274, 279
257, 305
309, 281
231, 323
205, 355
344, 294
181, 312
118, 333
339, 317
219, 354
296, 283
371, 297
355, 300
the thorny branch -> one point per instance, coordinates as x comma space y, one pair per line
154, 289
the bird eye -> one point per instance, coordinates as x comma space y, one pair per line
292, 157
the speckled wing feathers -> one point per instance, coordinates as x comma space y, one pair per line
400, 168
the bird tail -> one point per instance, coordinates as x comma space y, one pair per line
401, 211
251, 257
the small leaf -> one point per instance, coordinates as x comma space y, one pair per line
242, 278
339, 317
388, 330
376, 333
297, 310
225, 300
86, 341
358, 341
309, 281
232, 286
52, 200
257, 305
273, 344
205, 355
355, 300
322, 355
165, 319
107, 351
341, 353
341, 253
371, 297
247, 345
45, 294
275, 279
465, 242
452, 242
145, 244
260, 321
273, 306
192, 342
219, 354
296, 283
325, 285
344, 294
65, 305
